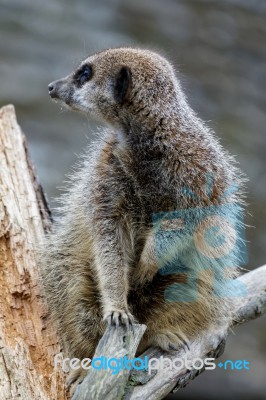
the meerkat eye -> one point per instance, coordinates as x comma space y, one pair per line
83, 75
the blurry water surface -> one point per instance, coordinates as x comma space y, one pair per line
219, 49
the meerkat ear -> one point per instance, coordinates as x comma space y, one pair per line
122, 83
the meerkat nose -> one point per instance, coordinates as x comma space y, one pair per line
52, 89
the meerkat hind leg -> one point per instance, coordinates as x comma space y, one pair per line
167, 340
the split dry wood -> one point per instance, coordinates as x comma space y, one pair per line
28, 341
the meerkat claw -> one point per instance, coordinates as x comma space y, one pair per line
186, 343
118, 318
108, 319
173, 347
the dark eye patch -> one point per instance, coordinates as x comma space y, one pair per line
83, 75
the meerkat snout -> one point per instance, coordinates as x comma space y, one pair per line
52, 88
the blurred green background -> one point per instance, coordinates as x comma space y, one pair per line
219, 48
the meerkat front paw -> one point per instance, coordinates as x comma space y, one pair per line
118, 317
170, 341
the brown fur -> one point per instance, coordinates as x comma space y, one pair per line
100, 259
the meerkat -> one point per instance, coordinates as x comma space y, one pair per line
119, 250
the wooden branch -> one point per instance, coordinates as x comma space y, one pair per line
100, 384
141, 385
28, 341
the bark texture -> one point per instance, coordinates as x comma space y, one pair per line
28, 341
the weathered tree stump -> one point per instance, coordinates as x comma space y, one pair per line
28, 341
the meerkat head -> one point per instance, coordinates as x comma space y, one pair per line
118, 85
